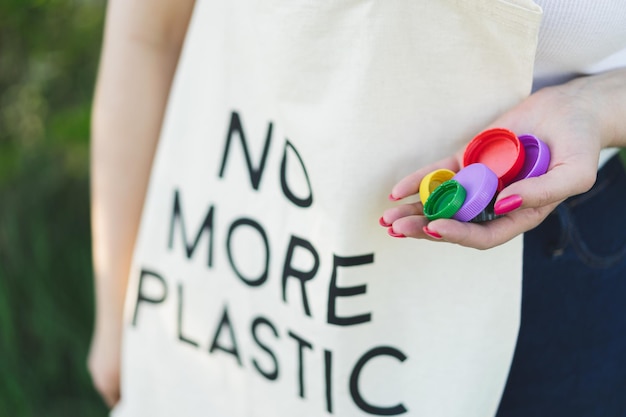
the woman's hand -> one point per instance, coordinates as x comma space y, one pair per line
104, 361
576, 120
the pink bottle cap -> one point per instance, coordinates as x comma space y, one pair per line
499, 149
480, 184
537, 157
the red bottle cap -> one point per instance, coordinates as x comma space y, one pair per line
499, 149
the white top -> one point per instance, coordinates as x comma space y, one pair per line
580, 37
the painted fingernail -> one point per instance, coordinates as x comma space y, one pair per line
383, 223
431, 233
508, 204
394, 234
392, 198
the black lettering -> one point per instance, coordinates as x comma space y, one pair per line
141, 297
255, 174
301, 345
273, 374
354, 382
207, 225
334, 292
179, 319
252, 282
328, 366
300, 202
303, 276
232, 349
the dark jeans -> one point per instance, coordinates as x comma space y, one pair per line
570, 358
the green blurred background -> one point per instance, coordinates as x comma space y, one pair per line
48, 58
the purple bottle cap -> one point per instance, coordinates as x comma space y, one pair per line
537, 157
480, 184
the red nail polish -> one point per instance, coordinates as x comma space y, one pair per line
392, 198
383, 223
394, 234
431, 233
508, 204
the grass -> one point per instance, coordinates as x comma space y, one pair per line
45, 292
48, 58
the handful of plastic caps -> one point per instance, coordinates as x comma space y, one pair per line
492, 160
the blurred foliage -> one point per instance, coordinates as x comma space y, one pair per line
48, 58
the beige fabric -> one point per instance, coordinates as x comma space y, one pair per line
353, 95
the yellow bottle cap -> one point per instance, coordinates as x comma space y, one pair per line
432, 181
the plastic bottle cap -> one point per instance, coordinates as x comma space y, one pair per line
537, 157
444, 201
480, 184
432, 181
499, 149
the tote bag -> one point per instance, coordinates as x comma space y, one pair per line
262, 284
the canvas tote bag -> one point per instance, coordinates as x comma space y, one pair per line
262, 284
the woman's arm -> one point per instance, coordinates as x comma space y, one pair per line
142, 43
576, 119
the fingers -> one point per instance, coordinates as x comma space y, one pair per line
411, 226
556, 185
103, 363
107, 386
407, 217
395, 213
111, 397
475, 235
525, 203
492, 233
532, 200
106, 381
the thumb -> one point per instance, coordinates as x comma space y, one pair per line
560, 182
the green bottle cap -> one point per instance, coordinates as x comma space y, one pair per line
445, 200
